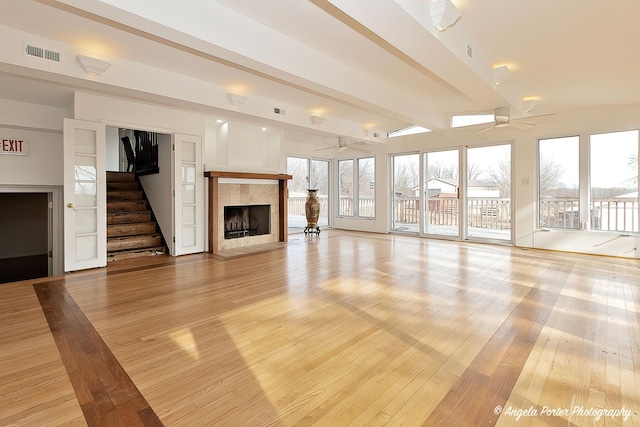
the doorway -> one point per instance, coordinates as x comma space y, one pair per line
26, 230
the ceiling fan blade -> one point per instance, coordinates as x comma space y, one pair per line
326, 148
484, 130
522, 126
532, 117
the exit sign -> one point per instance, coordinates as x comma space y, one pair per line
17, 147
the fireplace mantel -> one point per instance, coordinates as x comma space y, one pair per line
283, 192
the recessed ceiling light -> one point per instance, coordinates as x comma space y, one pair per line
264, 129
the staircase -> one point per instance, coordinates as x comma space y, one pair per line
131, 227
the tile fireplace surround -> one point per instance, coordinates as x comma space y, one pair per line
230, 193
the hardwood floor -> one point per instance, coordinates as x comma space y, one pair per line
346, 329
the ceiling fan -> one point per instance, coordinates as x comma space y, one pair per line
502, 118
343, 145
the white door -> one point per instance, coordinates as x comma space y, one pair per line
188, 190
85, 212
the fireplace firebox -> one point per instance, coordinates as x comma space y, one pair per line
249, 220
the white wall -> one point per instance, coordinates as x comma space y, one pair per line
43, 164
113, 149
242, 147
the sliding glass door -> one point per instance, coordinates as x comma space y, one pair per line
405, 198
441, 184
488, 195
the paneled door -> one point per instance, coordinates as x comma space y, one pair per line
188, 191
85, 199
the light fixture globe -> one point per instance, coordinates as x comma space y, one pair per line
236, 100
93, 66
443, 14
316, 120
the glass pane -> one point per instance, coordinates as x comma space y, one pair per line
298, 169
489, 192
188, 152
86, 194
85, 168
406, 193
614, 181
188, 215
86, 221
188, 173
345, 187
443, 185
367, 187
85, 141
189, 193
319, 178
86, 247
188, 236
558, 181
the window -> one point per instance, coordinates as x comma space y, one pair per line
366, 187
614, 181
307, 174
362, 188
458, 121
558, 182
411, 130
345, 187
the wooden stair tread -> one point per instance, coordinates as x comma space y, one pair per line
131, 229
125, 195
121, 176
135, 253
122, 186
127, 205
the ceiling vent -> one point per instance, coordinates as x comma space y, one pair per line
39, 52
279, 111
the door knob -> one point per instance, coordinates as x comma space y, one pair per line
70, 205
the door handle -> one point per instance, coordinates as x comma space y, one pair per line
70, 206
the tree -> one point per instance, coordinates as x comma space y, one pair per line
633, 165
474, 171
442, 170
550, 177
405, 176
501, 177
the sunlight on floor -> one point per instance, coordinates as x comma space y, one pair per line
184, 339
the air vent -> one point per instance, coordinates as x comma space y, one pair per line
51, 55
279, 111
39, 52
34, 51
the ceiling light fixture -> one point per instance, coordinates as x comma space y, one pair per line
528, 105
501, 74
93, 66
236, 100
316, 120
443, 14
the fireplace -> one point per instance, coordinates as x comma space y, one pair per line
243, 221
265, 195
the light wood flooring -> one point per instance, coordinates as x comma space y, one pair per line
344, 329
